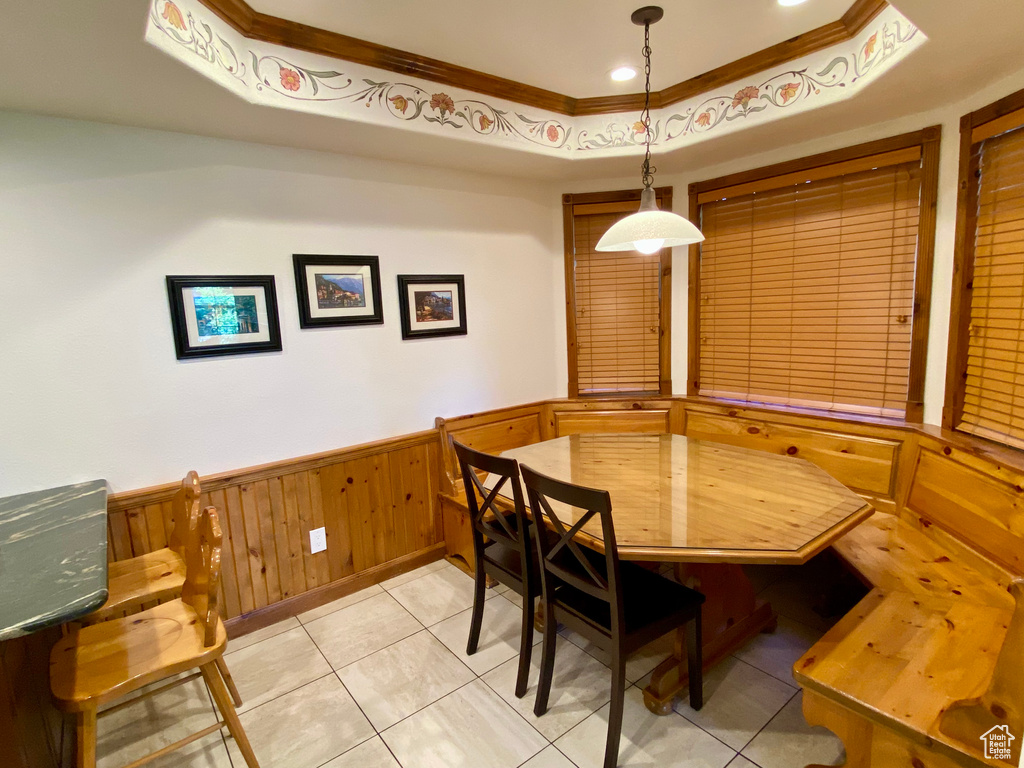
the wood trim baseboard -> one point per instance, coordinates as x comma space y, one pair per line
314, 598
271, 29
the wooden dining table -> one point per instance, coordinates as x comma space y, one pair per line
707, 508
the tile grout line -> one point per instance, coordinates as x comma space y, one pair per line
761, 730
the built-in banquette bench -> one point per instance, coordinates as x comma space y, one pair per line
939, 555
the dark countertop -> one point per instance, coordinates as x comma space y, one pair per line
53, 556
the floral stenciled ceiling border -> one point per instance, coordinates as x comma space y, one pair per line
272, 75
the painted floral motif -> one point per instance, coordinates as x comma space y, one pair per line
174, 16
442, 102
199, 38
869, 46
290, 79
183, 24
744, 96
787, 91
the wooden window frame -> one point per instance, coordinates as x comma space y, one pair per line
664, 197
928, 140
974, 128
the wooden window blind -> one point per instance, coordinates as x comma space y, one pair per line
807, 286
616, 307
993, 397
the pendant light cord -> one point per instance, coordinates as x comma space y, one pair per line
645, 116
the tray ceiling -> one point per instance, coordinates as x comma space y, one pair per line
567, 46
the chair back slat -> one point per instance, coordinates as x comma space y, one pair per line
184, 513
568, 567
485, 516
562, 559
202, 572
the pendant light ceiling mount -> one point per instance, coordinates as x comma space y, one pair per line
649, 14
649, 229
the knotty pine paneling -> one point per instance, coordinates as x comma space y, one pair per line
378, 502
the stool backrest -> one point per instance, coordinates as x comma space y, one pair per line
184, 513
562, 559
495, 526
202, 572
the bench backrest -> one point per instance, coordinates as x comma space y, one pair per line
976, 500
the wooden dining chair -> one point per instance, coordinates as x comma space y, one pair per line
102, 662
502, 546
619, 607
153, 577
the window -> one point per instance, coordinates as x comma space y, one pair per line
812, 286
617, 304
986, 341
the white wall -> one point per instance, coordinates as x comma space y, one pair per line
93, 217
947, 117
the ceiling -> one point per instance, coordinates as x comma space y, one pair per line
86, 60
567, 46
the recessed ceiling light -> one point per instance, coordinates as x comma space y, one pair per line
791, 2
621, 74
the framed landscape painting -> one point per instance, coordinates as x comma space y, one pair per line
432, 305
338, 290
223, 315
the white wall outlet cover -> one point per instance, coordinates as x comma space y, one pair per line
317, 540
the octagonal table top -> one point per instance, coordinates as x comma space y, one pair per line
684, 500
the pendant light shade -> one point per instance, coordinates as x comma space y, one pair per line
649, 229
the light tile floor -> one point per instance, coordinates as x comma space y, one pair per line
380, 679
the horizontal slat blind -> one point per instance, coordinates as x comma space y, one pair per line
994, 395
617, 311
807, 292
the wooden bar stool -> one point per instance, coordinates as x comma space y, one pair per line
102, 662
159, 575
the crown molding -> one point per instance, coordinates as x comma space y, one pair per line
271, 29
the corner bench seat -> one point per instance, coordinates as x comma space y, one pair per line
889, 553
928, 634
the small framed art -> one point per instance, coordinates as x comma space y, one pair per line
338, 290
223, 315
432, 305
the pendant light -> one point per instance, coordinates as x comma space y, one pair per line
649, 229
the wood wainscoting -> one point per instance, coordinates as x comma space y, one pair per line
378, 502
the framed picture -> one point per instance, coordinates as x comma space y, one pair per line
338, 290
432, 305
223, 315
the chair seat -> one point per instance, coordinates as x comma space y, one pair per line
150, 577
649, 601
104, 661
503, 563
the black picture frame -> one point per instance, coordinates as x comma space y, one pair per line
452, 312
257, 314
346, 312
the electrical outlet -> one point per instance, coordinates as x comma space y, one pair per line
317, 540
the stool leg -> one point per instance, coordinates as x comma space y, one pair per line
85, 739
227, 709
229, 681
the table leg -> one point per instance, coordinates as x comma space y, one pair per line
731, 616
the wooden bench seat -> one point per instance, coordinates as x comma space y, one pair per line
894, 556
927, 635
